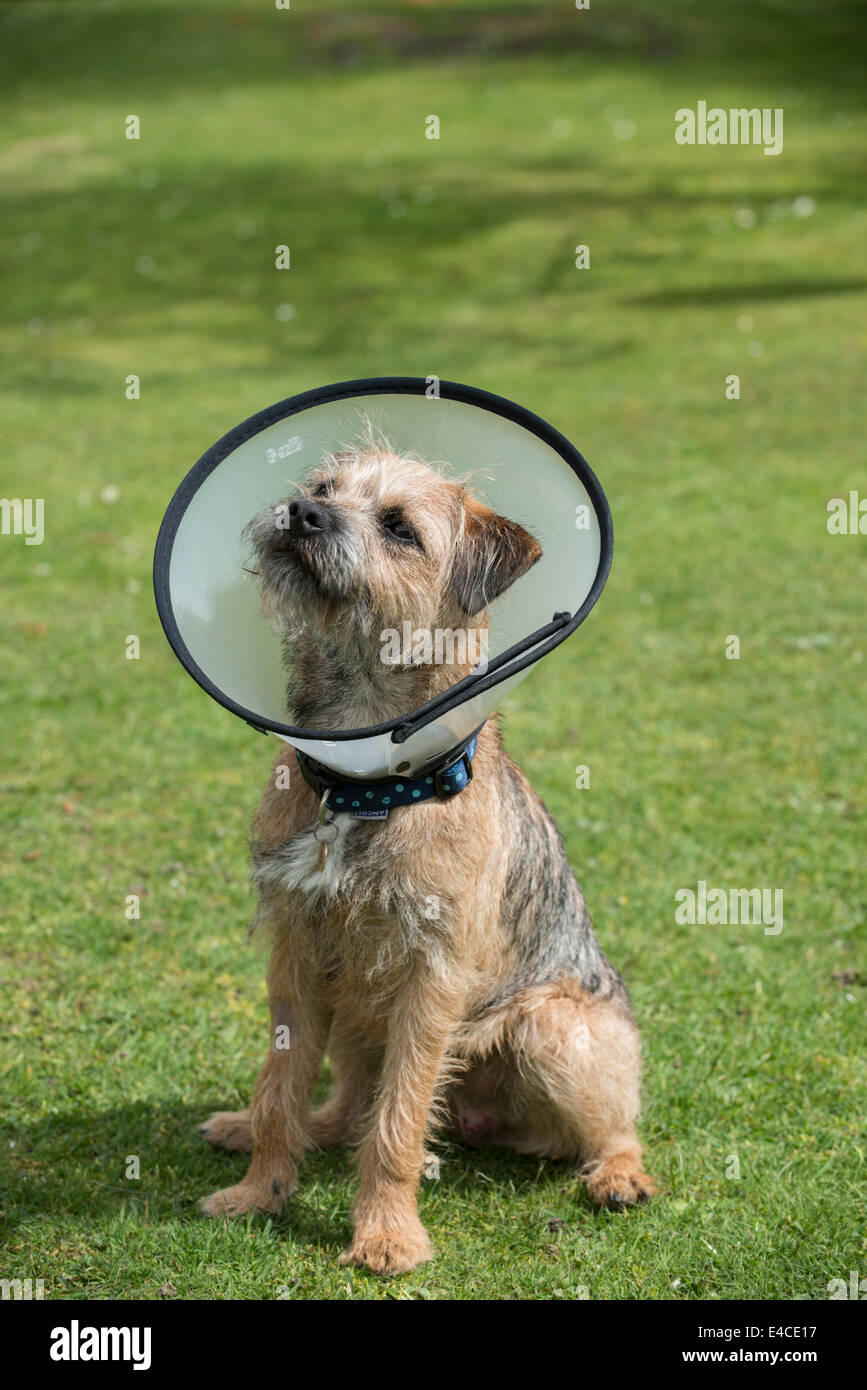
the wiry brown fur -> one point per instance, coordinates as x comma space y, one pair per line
496, 1016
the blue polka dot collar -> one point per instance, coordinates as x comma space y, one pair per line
374, 800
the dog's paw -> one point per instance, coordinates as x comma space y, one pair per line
389, 1252
229, 1129
620, 1182
244, 1197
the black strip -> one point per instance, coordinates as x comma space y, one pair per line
545, 638
446, 697
319, 777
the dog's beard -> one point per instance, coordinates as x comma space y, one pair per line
330, 634
338, 679
333, 656
304, 581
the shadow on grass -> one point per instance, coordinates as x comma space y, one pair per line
185, 45
74, 1165
688, 295
197, 288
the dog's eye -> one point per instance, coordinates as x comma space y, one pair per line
396, 525
322, 490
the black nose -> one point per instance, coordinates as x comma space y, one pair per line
305, 518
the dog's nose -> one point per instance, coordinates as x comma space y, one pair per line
305, 518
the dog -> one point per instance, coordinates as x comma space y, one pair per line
443, 956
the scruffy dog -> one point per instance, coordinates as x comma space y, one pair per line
496, 1018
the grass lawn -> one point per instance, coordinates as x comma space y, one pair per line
456, 257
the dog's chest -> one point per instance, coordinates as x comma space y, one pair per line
361, 907
304, 866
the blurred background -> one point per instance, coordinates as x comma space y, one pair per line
155, 258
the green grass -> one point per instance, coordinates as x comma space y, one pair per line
456, 258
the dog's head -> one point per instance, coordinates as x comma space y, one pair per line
374, 540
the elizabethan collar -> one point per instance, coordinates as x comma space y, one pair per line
521, 467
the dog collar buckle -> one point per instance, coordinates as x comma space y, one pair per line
446, 790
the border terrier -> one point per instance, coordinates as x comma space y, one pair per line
495, 1019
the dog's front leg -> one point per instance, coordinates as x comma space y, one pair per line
300, 1020
388, 1236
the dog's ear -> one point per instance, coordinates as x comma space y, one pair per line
491, 554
